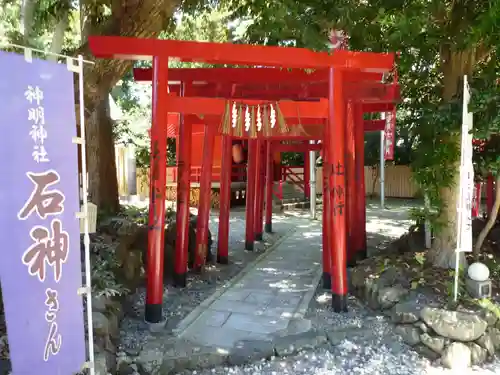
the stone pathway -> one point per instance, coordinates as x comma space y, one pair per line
263, 300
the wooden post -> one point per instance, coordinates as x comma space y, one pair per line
183, 194
351, 182
336, 168
259, 192
205, 196
307, 173
250, 194
327, 213
269, 186
225, 201
359, 135
158, 171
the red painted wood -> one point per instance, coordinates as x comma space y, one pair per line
205, 197
184, 142
259, 191
327, 246
367, 92
216, 107
336, 169
269, 185
302, 147
360, 195
156, 234
250, 194
127, 48
307, 172
225, 202
350, 169
373, 125
377, 107
252, 76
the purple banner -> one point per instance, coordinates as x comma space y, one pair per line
40, 262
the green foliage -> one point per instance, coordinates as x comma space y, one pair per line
292, 158
103, 274
428, 34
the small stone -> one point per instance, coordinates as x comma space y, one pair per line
388, 297
426, 352
247, 351
422, 326
408, 333
100, 365
490, 317
337, 336
495, 337
100, 303
455, 325
434, 343
457, 356
486, 342
406, 312
292, 344
478, 354
100, 323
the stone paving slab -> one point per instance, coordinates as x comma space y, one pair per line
261, 304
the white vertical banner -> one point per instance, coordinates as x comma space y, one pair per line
466, 186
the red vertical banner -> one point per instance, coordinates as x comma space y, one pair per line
476, 200
490, 193
390, 134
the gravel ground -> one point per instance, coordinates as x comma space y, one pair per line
178, 303
376, 351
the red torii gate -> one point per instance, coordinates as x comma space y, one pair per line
341, 76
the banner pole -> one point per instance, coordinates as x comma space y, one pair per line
86, 238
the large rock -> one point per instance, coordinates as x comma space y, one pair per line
141, 242
457, 356
455, 325
389, 285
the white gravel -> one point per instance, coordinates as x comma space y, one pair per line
376, 352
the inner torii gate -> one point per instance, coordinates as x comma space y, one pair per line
256, 104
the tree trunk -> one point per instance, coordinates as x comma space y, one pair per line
130, 18
27, 18
99, 137
375, 176
57, 42
455, 64
492, 218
